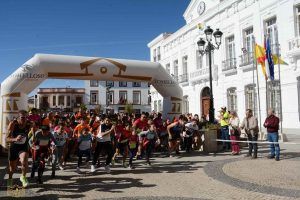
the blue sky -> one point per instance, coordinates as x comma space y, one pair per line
108, 28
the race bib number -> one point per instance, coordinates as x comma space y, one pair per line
132, 145
22, 141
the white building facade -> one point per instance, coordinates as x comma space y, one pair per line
60, 98
235, 82
115, 95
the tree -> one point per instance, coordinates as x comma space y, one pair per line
129, 108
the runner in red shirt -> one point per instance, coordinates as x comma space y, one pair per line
139, 125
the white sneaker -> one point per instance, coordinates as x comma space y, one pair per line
60, 167
107, 169
93, 169
78, 170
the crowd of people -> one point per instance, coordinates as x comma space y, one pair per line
59, 137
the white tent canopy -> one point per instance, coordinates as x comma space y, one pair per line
17, 86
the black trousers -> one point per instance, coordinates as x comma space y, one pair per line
107, 148
252, 146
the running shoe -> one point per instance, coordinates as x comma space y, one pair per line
107, 169
113, 162
9, 183
93, 169
78, 170
60, 167
24, 181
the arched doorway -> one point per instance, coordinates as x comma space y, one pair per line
205, 101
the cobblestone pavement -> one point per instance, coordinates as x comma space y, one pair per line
195, 176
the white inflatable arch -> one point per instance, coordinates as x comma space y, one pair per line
17, 86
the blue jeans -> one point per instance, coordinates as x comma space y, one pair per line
274, 148
225, 136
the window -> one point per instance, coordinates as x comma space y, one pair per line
68, 100
232, 99
298, 86
94, 83
199, 60
250, 98
78, 100
185, 65
229, 63
61, 100
185, 104
136, 97
273, 97
155, 106
136, 84
154, 55
247, 50
122, 97
54, 100
175, 72
109, 84
159, 107
297, 20
158, 54
230, 47
94, 97
248, 34
168, 68
110, 97
184, 76
270, 25
122, 84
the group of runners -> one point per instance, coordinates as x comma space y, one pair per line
56, 138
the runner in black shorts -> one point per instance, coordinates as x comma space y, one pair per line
174, 130
18, 150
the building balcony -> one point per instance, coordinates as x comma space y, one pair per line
229, 66
199, 74
183, 78
246, 61
294, 47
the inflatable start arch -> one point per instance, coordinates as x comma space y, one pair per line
17, 86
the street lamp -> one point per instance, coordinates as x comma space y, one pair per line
107, 97
209, 32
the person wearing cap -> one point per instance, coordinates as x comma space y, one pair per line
17, 137
224, 122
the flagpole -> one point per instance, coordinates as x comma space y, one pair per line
279, 78
253, 81
258, 91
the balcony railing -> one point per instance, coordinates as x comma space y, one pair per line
229, 64
199, 73
183, 78
246, 59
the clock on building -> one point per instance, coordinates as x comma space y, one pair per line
201, 8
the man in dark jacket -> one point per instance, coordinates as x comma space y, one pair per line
272, 125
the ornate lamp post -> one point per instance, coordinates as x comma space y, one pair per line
107, 97
208, 49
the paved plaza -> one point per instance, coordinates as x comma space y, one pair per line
194, 176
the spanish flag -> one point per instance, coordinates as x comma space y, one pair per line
260, 55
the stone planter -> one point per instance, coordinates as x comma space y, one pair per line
210, 144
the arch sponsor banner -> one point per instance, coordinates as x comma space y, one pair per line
16, 87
